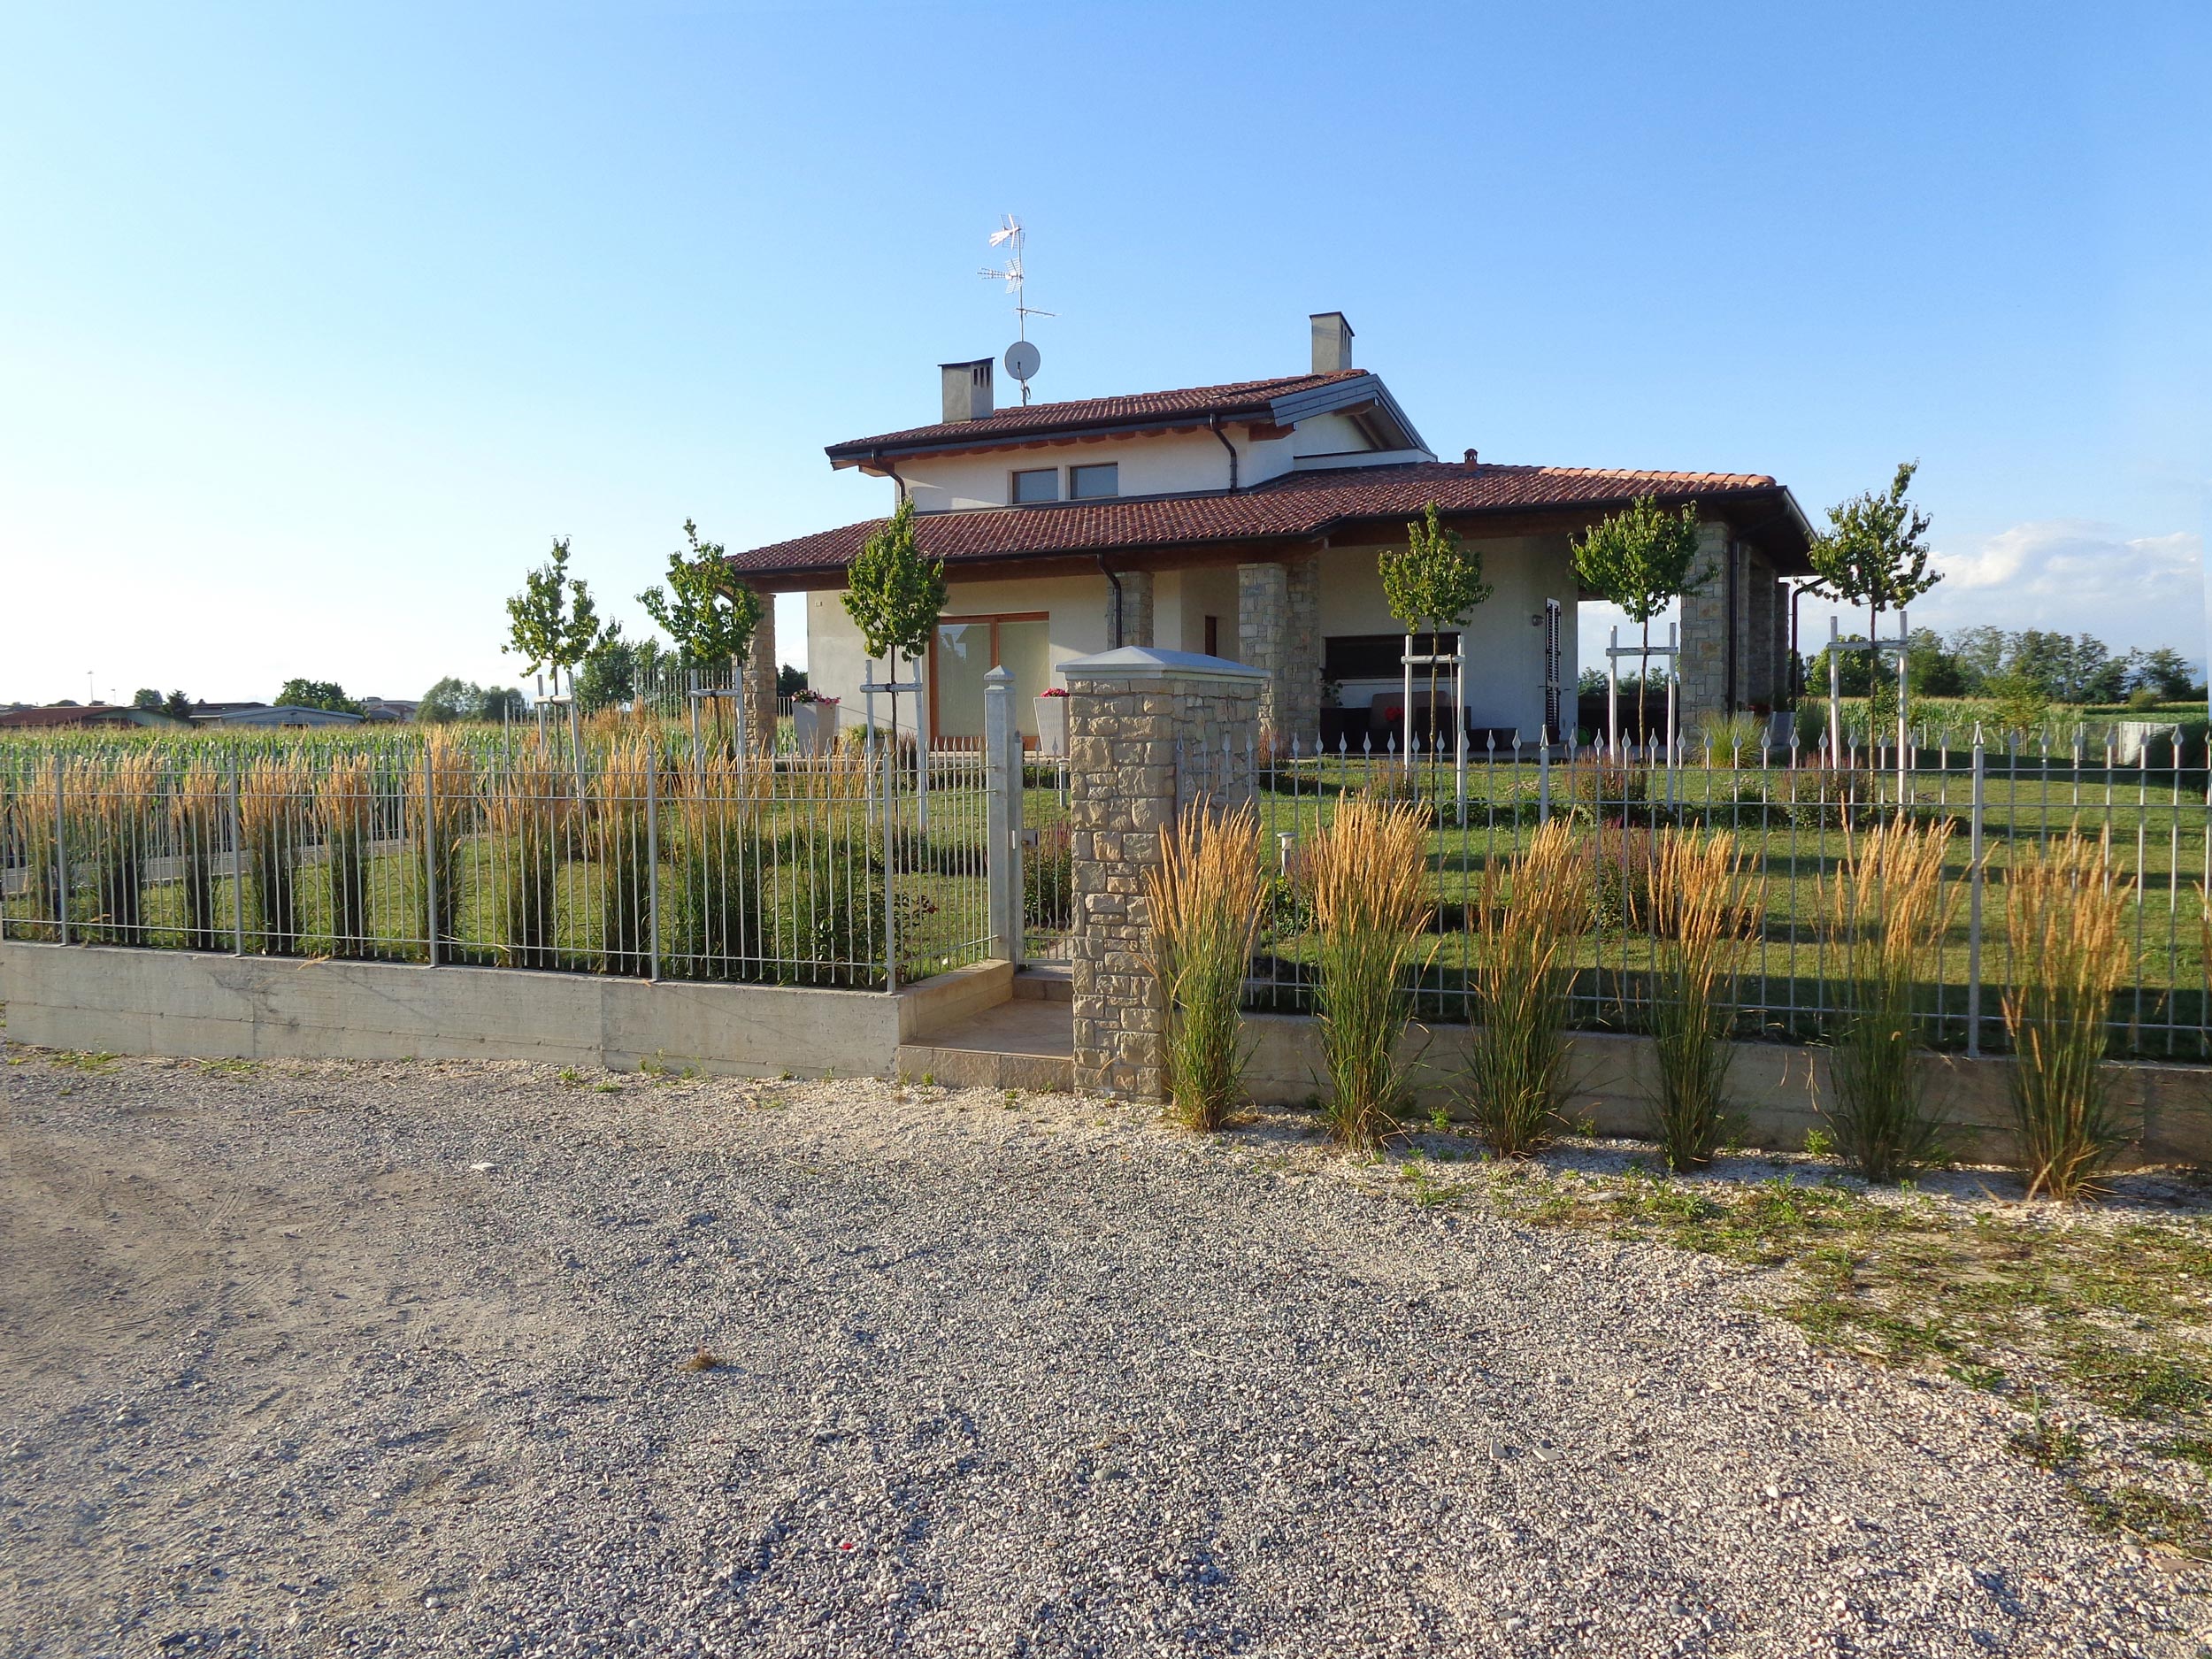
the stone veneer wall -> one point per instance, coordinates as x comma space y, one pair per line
1703, 663
1145, 732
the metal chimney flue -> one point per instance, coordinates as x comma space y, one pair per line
1332, 342
967, 387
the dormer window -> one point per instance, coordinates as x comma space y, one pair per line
1040, 484
1091, 483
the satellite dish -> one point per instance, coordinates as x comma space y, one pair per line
1022, 360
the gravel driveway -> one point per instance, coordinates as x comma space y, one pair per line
391, 1359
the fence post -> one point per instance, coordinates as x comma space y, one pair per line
1543, 775
653, 853
430, 855
237, 866
998, 822
1974, 909
61, 849
890, 864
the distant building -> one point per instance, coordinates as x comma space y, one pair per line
390, 708
270, 714
63, 716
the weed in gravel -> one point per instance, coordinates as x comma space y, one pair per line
2048, 1445
2153, 1516
608, 1087
570, 1077
84, 1060
2184, 1449
1819, 1144
704, 1359
228, 1068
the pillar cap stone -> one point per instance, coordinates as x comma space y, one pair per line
1147, 662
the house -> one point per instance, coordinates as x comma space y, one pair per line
1245, 521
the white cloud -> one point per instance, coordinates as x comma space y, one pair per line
2076, 577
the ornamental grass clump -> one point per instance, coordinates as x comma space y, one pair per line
1366, 873
199, 813
1882, 918
27, 827
1205, 898
272, 797
119, 813
345, 801
1524, 979
721, 867
620, 850
441, 807
527, 814
2065, 919
1706, 913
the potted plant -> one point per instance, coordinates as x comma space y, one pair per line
1052, 721
813, 722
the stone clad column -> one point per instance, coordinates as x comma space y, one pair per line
1263, 635
1300, 703
1136, 607
1147, 729
1703, 663
760, 679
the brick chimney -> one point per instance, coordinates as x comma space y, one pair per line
967, 389
1332, 342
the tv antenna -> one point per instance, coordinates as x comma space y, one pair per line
1021, 356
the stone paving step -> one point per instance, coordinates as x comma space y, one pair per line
1027, 1043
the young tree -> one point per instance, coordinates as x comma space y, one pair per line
552, 622
706, 609
895, 595
178, 706
449, 700
145, 697
1437, 581
1640, 559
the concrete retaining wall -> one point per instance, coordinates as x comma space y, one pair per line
220, 1007
2167, 1110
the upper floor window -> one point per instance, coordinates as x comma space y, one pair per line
1041, 484
1088, 483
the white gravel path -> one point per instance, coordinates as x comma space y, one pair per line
389, 1359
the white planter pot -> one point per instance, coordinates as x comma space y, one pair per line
814, 725
1052, 726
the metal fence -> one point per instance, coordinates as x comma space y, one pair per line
1793, 812
638, 853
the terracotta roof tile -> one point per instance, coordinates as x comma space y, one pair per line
1193, 402
1294, 504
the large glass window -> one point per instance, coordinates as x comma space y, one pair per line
967, 649
1088, 483
1037, 484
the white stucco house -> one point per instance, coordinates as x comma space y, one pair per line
1245, 521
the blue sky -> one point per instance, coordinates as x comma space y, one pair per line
318, 323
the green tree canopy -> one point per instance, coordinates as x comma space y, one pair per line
1640, 558
1437, 581
145, 697
892, 593
608, 678
1875, 550
552, 622
706, 609
316, 693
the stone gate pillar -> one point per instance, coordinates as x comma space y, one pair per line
759, 687
1147, 730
